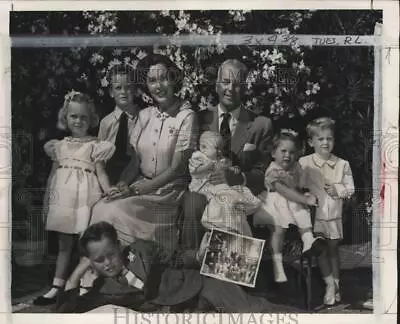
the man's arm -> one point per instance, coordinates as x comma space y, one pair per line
262, 138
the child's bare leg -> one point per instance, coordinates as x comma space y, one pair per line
326, 270
65, 243
277, 240
334, 259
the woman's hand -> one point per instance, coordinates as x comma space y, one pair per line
119, 194
111, 191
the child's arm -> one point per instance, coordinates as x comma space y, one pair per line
345, 189
77, 274
102, 176
294, 195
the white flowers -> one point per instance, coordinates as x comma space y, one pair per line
96, 59
312, 88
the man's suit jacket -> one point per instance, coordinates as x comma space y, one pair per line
250, 129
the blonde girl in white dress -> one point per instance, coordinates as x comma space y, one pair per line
76, 182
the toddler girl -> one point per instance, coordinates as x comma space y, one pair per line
228, 206
283, 202
330, 179
76, 182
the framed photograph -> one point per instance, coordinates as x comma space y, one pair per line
232, 257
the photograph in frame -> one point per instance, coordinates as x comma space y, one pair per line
299, 65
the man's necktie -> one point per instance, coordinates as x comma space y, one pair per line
121, 141
225, 132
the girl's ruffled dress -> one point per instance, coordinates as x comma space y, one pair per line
74, 188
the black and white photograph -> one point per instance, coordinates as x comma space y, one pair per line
196, 161
233, 258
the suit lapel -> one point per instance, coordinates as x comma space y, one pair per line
214, 123
240, 135
137, 268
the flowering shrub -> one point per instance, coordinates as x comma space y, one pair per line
291, 84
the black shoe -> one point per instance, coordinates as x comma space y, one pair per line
316, 248
45, 301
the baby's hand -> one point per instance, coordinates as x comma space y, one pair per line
311, 199
194, 163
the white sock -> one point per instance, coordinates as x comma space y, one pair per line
279, 271
336, 281
329, 280
54, 291
308, 239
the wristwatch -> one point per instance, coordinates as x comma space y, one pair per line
134, 191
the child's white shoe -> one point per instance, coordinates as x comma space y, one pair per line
280, 277
329, 297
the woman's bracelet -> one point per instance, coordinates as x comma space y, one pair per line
133, 190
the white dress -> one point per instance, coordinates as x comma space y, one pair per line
228, 206
278, 210
74, 186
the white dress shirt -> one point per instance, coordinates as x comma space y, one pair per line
109, 125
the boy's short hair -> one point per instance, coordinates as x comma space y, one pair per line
214, 138
121, 69
320, 124
74, 96
96, 232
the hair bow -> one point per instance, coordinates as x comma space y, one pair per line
71, 94
289, 131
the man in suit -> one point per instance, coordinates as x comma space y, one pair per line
247, 140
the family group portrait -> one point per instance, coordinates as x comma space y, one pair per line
166, 177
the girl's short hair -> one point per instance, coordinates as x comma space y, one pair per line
174, 74
96, 232
286, 135
79, 97
214, 138
319, 124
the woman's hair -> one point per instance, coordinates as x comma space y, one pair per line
96, 232
79, 97
174, 74
286, 135
213, 138
319, 124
